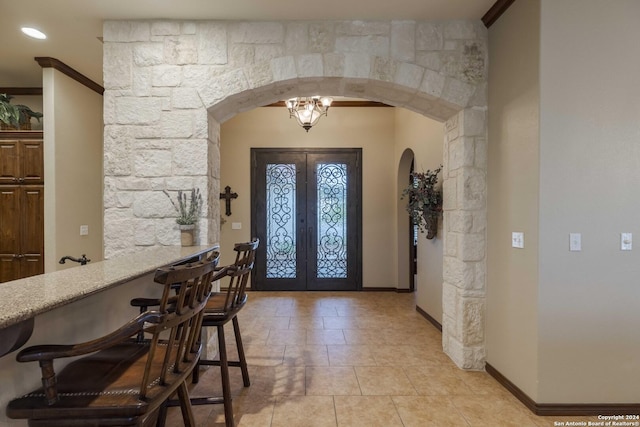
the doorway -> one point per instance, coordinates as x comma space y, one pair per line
306, 208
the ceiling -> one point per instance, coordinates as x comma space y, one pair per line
74, 26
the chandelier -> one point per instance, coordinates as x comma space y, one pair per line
308, 110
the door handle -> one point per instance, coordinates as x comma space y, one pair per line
309, 231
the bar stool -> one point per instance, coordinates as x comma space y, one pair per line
223, 307
119, 380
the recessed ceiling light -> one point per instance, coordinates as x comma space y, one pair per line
32, 32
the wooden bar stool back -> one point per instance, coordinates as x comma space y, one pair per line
223, 307
121, 381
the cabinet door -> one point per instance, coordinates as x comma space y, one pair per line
10, 261
32, 218
32, 162
9, 162
10, 220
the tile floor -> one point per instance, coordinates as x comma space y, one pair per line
352, 359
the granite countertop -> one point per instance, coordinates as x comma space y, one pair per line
26, 298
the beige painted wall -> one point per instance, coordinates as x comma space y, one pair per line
424, 137
589, 181
73, 169
513, 174
371, 129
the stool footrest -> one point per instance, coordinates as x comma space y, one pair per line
217, 363
197, 401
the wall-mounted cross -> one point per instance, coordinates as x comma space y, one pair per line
227, 196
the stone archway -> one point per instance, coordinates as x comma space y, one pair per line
169, 85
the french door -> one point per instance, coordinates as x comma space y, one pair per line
306, 210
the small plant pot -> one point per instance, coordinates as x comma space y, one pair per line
431, 223
186, 234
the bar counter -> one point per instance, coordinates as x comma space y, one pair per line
25, 298
74, 305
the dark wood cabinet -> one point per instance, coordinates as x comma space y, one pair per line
21, 162
21, 208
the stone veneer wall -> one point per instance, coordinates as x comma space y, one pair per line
169, 85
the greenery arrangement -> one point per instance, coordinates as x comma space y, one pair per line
188, 207
425, 200
16, 116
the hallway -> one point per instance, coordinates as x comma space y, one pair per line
352, 359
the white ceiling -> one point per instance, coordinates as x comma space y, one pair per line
73, 26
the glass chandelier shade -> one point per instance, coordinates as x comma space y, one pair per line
308, 110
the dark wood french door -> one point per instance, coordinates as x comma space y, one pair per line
306, 210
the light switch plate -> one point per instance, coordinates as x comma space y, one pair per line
84, 230
626, 241
575, 242
236, 225
517, 240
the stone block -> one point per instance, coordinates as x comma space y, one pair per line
257, 32
118, 236
259, 75
481, 153
473, 122
124, 199
117, 151
384, 69
166, 75
177, 124
185, 97
138, 111
408, 75
189, 28
117, 65
322, 37
296, 39
472, 189
233, 82
362, 28
473, 322
267, 52
126, 31
450, 303
333, 64
132, 183
403, 40
190, 157
152, 204
357, 65
181, 50
309, 65
450, 244
429, 36
166, 28
144, 233
449, 194
461, 153
284, 68
241, 55
212, 43
372, 45
480, 283
142, 82
149, 163
457, 30
457, 92
458, 273
166, 231
430, 60
460, 221
432, 83
471, 247
479, 221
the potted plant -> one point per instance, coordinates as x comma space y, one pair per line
425, 200
9, 113
15, 116
188, 209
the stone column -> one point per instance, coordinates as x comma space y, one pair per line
464, 271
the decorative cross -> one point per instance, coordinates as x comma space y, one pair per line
227, 196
